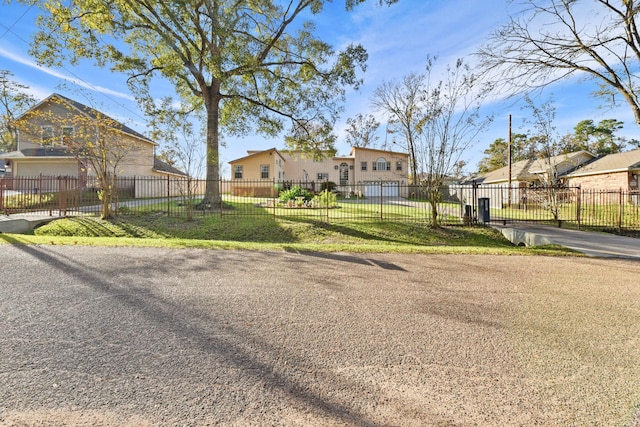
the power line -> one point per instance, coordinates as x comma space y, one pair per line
15, 23
79, 79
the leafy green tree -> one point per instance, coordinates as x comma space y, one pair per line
496, 156
598, 139
250, 65
14, 100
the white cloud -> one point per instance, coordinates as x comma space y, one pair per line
20, 59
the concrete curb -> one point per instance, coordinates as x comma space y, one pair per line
524, 238
22, 225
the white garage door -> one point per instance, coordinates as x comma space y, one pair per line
387, 189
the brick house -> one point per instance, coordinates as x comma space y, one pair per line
525, 174
619, 171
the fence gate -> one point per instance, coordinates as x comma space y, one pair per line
511, 204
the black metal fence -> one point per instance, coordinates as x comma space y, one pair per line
325, 201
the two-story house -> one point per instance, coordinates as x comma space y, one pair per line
58, 137
367, 171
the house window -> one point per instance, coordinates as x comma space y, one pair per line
237, 172
344, 174
264, 171
67, 134
47, 135
323, 177
363, 166
398, 166
381, 165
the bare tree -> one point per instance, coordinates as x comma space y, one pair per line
555, 39
98, 142
361, 131
182, 148
402, 102
14, 100
548, 146
449, 124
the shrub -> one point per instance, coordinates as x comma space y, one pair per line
328, 185
294, 193
326, 199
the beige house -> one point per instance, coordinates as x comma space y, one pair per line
365, 171
49, 145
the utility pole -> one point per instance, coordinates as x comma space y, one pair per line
509, 160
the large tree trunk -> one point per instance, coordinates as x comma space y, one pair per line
212, 191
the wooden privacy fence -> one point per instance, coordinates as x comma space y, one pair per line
386, 201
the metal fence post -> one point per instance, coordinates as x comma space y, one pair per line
326, 188
59, 198
578, 205
620, 208
381, 216
275, 195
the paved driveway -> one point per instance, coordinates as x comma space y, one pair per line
141, 336
590, 243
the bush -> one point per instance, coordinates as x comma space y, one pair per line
294, 193
326, 199
327, 185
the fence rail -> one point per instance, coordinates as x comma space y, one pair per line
459, 204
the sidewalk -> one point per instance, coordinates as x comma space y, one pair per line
589, 243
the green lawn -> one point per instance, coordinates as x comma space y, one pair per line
274, 233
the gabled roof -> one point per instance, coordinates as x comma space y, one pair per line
161, 166
530, 169
257, 153
89, 112
353, 149
293, 153
519, 172
617, 162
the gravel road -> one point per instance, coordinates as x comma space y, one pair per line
143, 336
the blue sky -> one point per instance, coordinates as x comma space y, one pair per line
398, 38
